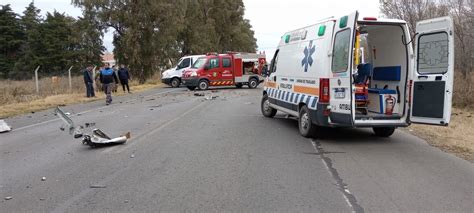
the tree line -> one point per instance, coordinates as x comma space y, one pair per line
54, 42
148, 35
152, 34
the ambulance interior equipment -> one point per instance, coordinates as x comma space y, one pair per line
380, 72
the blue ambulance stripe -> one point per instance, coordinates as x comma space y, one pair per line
315, 100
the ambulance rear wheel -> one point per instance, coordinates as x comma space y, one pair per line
239, 85
191, 88
253, 83
203, 85
175, 82
384, 131
305, 123
267, 110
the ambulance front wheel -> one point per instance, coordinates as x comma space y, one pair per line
175, 82
384, 131
203, 85
267, 110
253, 83
305, 123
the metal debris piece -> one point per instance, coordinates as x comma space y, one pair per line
210, 97
132, 156
198, 94
96, 138
8, 198
4, 127
43, 178
97, 186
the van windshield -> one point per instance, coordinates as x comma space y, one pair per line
200, 62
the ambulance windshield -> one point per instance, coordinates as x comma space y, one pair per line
200, 62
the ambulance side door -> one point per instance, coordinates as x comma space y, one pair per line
432, 88
341, 95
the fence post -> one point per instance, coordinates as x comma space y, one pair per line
36, 79
70, 81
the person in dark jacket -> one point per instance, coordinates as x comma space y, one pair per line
108, 78
124, 76
88, 80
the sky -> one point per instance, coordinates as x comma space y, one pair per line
270, 19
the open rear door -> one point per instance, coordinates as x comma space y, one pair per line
341, 95
434, 71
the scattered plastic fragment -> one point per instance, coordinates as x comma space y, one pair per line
132, 156
43, 178
198, 94
97, 186
4, 127
8, 198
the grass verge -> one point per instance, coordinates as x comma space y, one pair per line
38, 103
457, 138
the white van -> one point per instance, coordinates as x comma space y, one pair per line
173, 76
351, 72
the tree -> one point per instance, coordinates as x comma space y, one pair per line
11, 39
28, 60
149, 34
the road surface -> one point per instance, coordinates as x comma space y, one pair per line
192, 154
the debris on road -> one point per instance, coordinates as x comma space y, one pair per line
96, 138
97, 186
43, 179
132, 156
199, 94
4, 127
248, 103
210, 97
8, 198
155, 106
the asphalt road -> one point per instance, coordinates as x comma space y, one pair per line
192, 154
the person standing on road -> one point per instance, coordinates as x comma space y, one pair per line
124, 76
108, 78
88, 80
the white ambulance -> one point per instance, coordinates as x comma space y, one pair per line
173, 76
351, 72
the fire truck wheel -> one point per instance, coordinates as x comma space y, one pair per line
203, 85
191, 88
384, 131
175, 82
239, 85
267, 110
253, 83
305, 123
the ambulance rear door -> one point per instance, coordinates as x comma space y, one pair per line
340, 82
432, 88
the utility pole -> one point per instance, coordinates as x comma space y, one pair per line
36, 79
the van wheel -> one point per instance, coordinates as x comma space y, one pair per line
253, 83
267, 110
305, 123
192, 88
239, 85
384, 131
175, 82
203, 85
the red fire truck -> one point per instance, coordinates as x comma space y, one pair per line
231, 69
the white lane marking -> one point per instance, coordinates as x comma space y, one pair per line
133, 142
83, 112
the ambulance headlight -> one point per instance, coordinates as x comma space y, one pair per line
194, 74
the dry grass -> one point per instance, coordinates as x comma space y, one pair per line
463, 96
18, 97
457, 138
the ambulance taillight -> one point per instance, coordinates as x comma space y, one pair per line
324, 90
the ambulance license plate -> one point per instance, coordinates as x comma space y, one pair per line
339, 93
